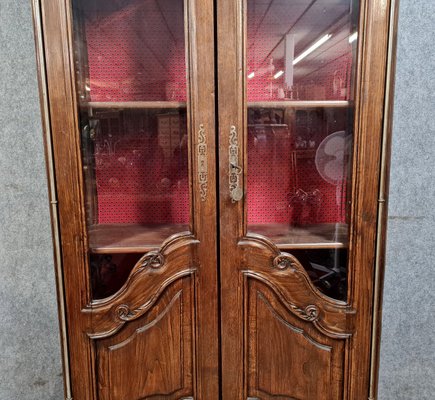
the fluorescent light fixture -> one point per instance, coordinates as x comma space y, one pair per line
278, 74
312, 48
353, 37
251, 75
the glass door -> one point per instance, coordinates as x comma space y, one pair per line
300, 66
131, 89
295, 194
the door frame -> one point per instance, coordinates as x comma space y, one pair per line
54, 44
374, 45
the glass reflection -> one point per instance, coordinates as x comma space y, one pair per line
131, 84
300, 64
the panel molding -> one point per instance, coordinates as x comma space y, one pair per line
148, 325
272, 372
285, 275
295, 329
151, 276
160, 348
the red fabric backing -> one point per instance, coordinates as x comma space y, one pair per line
137, 181
130, 59
131, 185
273, 185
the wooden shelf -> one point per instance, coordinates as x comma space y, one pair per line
134, 104
319, 236
137, 238
130, 238
181, 104
300, 104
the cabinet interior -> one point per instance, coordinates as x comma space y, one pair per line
132, 84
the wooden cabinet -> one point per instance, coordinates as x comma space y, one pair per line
218, 177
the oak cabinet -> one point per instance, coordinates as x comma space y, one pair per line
218, 179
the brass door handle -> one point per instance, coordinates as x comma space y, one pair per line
234, 169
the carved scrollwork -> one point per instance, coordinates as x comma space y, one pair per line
283, 262
286, 261
124, 313
202, 163
152, 259
310, 313
234, 169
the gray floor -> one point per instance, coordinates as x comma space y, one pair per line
30, 355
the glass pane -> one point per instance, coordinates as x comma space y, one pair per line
300, 72
131, 83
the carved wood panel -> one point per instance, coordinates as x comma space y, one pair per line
288, 358
152, 356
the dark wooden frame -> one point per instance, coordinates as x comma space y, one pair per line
53, 28
373, 105
367, 229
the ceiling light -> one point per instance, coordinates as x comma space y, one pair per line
312, 48
251, 75
278, 74
353, 37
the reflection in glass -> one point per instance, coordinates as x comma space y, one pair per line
109, 272
301, 50
131, 86
327, 269
300, 71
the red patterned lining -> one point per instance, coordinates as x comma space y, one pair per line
133, 183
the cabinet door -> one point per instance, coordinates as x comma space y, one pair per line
301, 86
131, 99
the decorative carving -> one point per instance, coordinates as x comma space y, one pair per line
234, 170
202, 163
152, 259
332, 318
295, 329
283, 261
124, 313
311, 313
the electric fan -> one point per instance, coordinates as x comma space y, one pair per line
332, 163
332, 158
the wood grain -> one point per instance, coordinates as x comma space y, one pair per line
142, 289
158, 336
313, 369
369, 106
130, 238
299, 104
254, 259
319, 236
159, 349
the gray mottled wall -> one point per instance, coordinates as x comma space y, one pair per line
29, 345
408, 341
